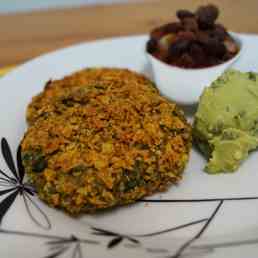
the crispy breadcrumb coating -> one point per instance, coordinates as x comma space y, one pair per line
108, 78
103, 140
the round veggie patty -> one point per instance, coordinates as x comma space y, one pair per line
104, 142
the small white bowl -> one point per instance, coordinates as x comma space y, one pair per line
184, 85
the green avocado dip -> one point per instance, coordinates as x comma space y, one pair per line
226, 123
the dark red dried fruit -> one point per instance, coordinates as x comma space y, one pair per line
185, 61
220, 32
190, 24
213, 61
194, 42
152, 45
188, 35
202, 37
198, 54
230, 46
177, 48
182, 14
159, 32
215, 48
161, 55
228, 56
196, 51
206, 16
173, 27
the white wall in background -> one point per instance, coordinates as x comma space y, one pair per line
9, 6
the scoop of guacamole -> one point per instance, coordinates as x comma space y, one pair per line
226, 123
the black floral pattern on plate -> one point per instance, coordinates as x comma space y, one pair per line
57, 245
117, 238
15, 186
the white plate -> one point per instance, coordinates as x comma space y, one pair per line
218, 214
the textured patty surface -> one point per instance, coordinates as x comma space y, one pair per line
103, 142
107, 78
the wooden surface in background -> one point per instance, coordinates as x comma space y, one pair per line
26, 35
